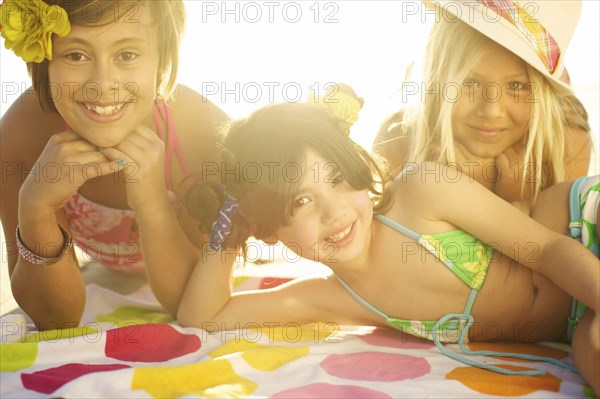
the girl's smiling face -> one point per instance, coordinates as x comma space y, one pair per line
103, 78
495, 105
331, 221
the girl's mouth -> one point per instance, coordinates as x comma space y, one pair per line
104, 110
342, 238
339, 236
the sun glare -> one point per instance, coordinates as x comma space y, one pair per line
245, 54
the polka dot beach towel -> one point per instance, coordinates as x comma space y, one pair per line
127, 347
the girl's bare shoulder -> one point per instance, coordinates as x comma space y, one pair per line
198, 123
195, 114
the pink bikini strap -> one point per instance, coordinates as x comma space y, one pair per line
162, 115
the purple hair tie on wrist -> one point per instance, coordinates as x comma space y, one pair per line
222, 226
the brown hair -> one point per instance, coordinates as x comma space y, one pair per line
261, 158
167, 16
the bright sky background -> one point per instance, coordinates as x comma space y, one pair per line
244, 54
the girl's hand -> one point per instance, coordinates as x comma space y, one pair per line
65, 164
481, 169
143, 153
510, 175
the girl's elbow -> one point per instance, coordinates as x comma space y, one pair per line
194, 318
183, 318
52, 317
187, 318
50, 314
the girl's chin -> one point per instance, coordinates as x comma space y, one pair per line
103, 139
108, 135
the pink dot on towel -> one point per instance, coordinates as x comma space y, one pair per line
149, 343
375, 366
329, 391
395, 339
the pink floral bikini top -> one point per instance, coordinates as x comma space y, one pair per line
110, 236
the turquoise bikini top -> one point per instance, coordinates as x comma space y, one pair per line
468, 258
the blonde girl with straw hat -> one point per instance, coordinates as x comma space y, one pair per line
495, 103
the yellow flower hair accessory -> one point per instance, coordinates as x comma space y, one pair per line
27, 27
341, 101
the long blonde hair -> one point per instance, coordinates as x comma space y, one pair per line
452, 49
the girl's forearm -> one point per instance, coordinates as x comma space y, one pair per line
573, 268
207, 291
53, 295
169, 256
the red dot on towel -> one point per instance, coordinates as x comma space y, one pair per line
329, 391
375, 366
49, 380
272, 282
149, 343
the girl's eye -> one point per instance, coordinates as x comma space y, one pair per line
516, 86
128, 56
76, 57
300, 201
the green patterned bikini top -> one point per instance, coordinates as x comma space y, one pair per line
468, 258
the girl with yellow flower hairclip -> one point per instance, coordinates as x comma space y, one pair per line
97, 148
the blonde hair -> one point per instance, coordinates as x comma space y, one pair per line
449, 54
452, 49
167, 16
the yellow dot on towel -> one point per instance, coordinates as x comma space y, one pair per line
272, 357
65, 333
294, 332
14, 357
261, 357
232, 346
134, 315
212, 379
239, 280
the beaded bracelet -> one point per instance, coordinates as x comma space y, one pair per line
39, 260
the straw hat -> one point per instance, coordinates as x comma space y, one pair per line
537, 31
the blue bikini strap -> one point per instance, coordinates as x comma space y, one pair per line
398, 227
360, 299
466, 316
467, 351
574, 208
373, 309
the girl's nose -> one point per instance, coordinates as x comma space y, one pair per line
103, 84
333, 211
490, 103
